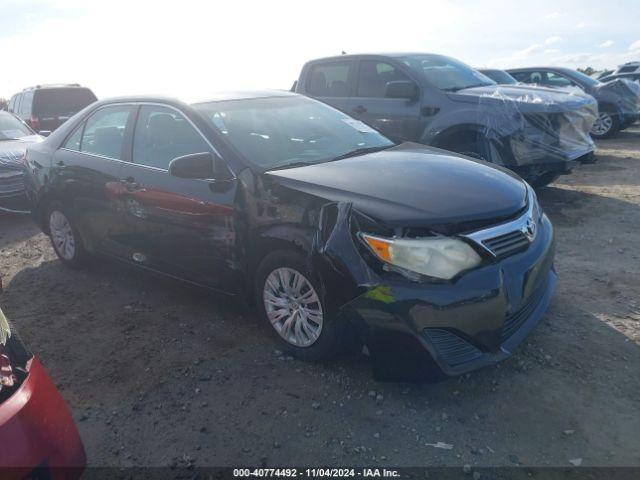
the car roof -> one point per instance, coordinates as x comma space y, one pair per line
216, 97
54, 85
385, 54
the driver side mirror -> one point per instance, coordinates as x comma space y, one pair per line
201, 166
401, 89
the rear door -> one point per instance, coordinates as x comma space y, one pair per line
183, 227
397, 118
85, 173
331, 82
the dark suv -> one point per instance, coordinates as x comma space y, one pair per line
439, 101
329, 226
618, 101
45, 107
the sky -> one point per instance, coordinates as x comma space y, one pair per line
190, 49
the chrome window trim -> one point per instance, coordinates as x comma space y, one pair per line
159, 104
523, 224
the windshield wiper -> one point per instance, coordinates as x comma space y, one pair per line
361, 151
290, 165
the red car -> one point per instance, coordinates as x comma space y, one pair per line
38, 438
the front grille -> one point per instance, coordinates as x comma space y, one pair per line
507, 244
453, 349
11, 182
513, 323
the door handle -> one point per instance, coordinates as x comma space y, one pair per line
60, 163
359, 109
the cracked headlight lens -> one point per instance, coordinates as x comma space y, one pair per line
436, 257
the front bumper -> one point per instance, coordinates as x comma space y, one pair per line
14, 203
37, 431
416, 330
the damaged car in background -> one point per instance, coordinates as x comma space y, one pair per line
436, 100
38, 438
15, 137
618, 100
437, 262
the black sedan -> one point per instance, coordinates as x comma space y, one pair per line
431, 259
15, 137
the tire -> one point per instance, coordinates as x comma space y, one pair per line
606, 126
65, 239
319, 337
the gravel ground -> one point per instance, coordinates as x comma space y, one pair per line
160, 373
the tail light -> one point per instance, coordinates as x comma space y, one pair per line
7, 378
14, 360
35, 123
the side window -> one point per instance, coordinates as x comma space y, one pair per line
520, 76
104, 131
162, 134
12, 103
25, 105
16, 107
557, 80
537, 77
329, 79
374, 76
73, 142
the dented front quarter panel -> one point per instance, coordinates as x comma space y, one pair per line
392, 310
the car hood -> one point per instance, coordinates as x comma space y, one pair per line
412, 185
620, 91
525, 97
11, 151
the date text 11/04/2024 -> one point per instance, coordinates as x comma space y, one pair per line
316, 472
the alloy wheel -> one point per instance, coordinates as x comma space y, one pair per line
603, 124
62, 236
293, 307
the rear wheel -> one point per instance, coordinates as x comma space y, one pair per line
606, 125
64, 237
290, 300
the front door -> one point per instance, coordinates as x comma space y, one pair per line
397, 118
183, 227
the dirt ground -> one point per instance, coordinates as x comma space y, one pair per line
160, 373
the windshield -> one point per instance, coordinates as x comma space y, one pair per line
500, 77
11, 128
56, 102
278, 132
446, 73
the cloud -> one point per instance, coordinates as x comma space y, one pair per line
552, 40
553, 15
549, 51
607, 44
583, 25
635, 46
526, 52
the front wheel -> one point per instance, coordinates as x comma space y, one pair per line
606, 125
290, 300
64, 237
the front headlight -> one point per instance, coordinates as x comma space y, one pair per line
435, 257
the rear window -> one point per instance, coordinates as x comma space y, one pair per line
329, 79
61, 102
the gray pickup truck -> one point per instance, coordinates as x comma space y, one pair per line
435, 100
